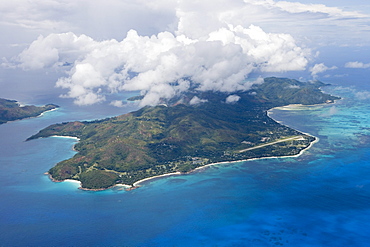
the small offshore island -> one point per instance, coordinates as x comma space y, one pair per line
11, 110
181, 137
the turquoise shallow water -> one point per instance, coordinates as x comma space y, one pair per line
321, 198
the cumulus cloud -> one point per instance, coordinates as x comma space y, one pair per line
271, 52
196, 100
364, 95
208, 45
320, 68
232, 99
25, 19
304, 21
163, 65
117, 103
54, 49
357, 65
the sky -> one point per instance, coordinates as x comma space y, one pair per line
163, 48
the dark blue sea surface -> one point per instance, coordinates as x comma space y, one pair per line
321, 198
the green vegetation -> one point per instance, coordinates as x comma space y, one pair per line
10, 110
158, 140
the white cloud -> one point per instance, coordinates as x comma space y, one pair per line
232, 99
357, 65
272, 52
117, 103
55, 49
106, 19
35, 15
206, 45
163, 65
195, 101
99, 18
296, 7
364, 95
314, 23
360, 95
332, 111
320, 68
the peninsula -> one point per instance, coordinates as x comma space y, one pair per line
11, 110
179, 137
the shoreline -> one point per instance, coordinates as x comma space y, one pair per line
42, 113
26, 118
69, 180
67, 137
76, 139
137, 184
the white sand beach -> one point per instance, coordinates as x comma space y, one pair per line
69, 137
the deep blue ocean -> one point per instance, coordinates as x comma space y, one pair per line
321, 198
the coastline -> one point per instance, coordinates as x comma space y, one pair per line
126, 186
138, 184
40, 115
68, 137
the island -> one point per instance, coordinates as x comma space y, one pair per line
11, 110
180, 136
